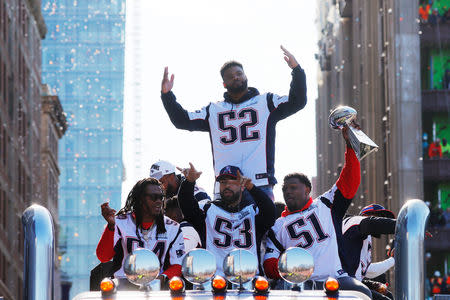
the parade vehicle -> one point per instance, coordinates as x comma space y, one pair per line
240, 268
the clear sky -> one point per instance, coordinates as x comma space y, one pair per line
194, 38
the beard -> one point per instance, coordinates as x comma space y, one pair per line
171, 191
294, 205
230, 198
235, 89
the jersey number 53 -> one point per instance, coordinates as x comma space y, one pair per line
224, 228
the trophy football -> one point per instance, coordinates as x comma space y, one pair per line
361, 143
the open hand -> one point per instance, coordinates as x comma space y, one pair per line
109, 215
289, 58
166, 84
190, 173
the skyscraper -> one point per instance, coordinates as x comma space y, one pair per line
83, 62
134, 165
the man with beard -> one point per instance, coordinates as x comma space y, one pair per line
316, 225
242, 127
230, 222
141, 224
165, 172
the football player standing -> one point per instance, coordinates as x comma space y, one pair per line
242, 126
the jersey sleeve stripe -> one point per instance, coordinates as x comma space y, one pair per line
274, 240
326, 202
270, 104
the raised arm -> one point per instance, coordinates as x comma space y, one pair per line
105, 248
182, 119
350, 177
266, 216
282, 107
342, 193
188, 204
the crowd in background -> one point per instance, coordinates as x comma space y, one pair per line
434, 12
438, 284
437, 149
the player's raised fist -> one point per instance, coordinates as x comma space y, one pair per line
109, 215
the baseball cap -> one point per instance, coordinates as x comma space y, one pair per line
228, 171
161, 168
378, 210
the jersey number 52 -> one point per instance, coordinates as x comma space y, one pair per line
250, 117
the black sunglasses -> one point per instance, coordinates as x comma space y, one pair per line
154, 197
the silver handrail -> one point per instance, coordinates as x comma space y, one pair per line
409, 252
39, 245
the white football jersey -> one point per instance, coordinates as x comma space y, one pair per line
226, 231
365, 255
190, 235
169, 243
242, 136
314, 230
365, 259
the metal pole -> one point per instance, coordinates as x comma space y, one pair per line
409, 250
39, 245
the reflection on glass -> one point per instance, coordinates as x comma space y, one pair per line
141, 267
296, 265
240, 266
199, 265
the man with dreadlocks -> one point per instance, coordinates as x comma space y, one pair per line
142, 224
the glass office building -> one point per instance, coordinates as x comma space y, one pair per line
83, 62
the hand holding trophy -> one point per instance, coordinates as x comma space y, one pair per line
361, 143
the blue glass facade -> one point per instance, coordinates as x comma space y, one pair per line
83, 62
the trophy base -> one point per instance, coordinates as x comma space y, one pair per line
361, 143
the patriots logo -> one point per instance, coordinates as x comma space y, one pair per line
155, 167
179, 253
243, 214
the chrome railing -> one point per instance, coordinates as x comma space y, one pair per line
409, 250
39, 249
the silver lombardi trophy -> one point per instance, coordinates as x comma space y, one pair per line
361, 143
